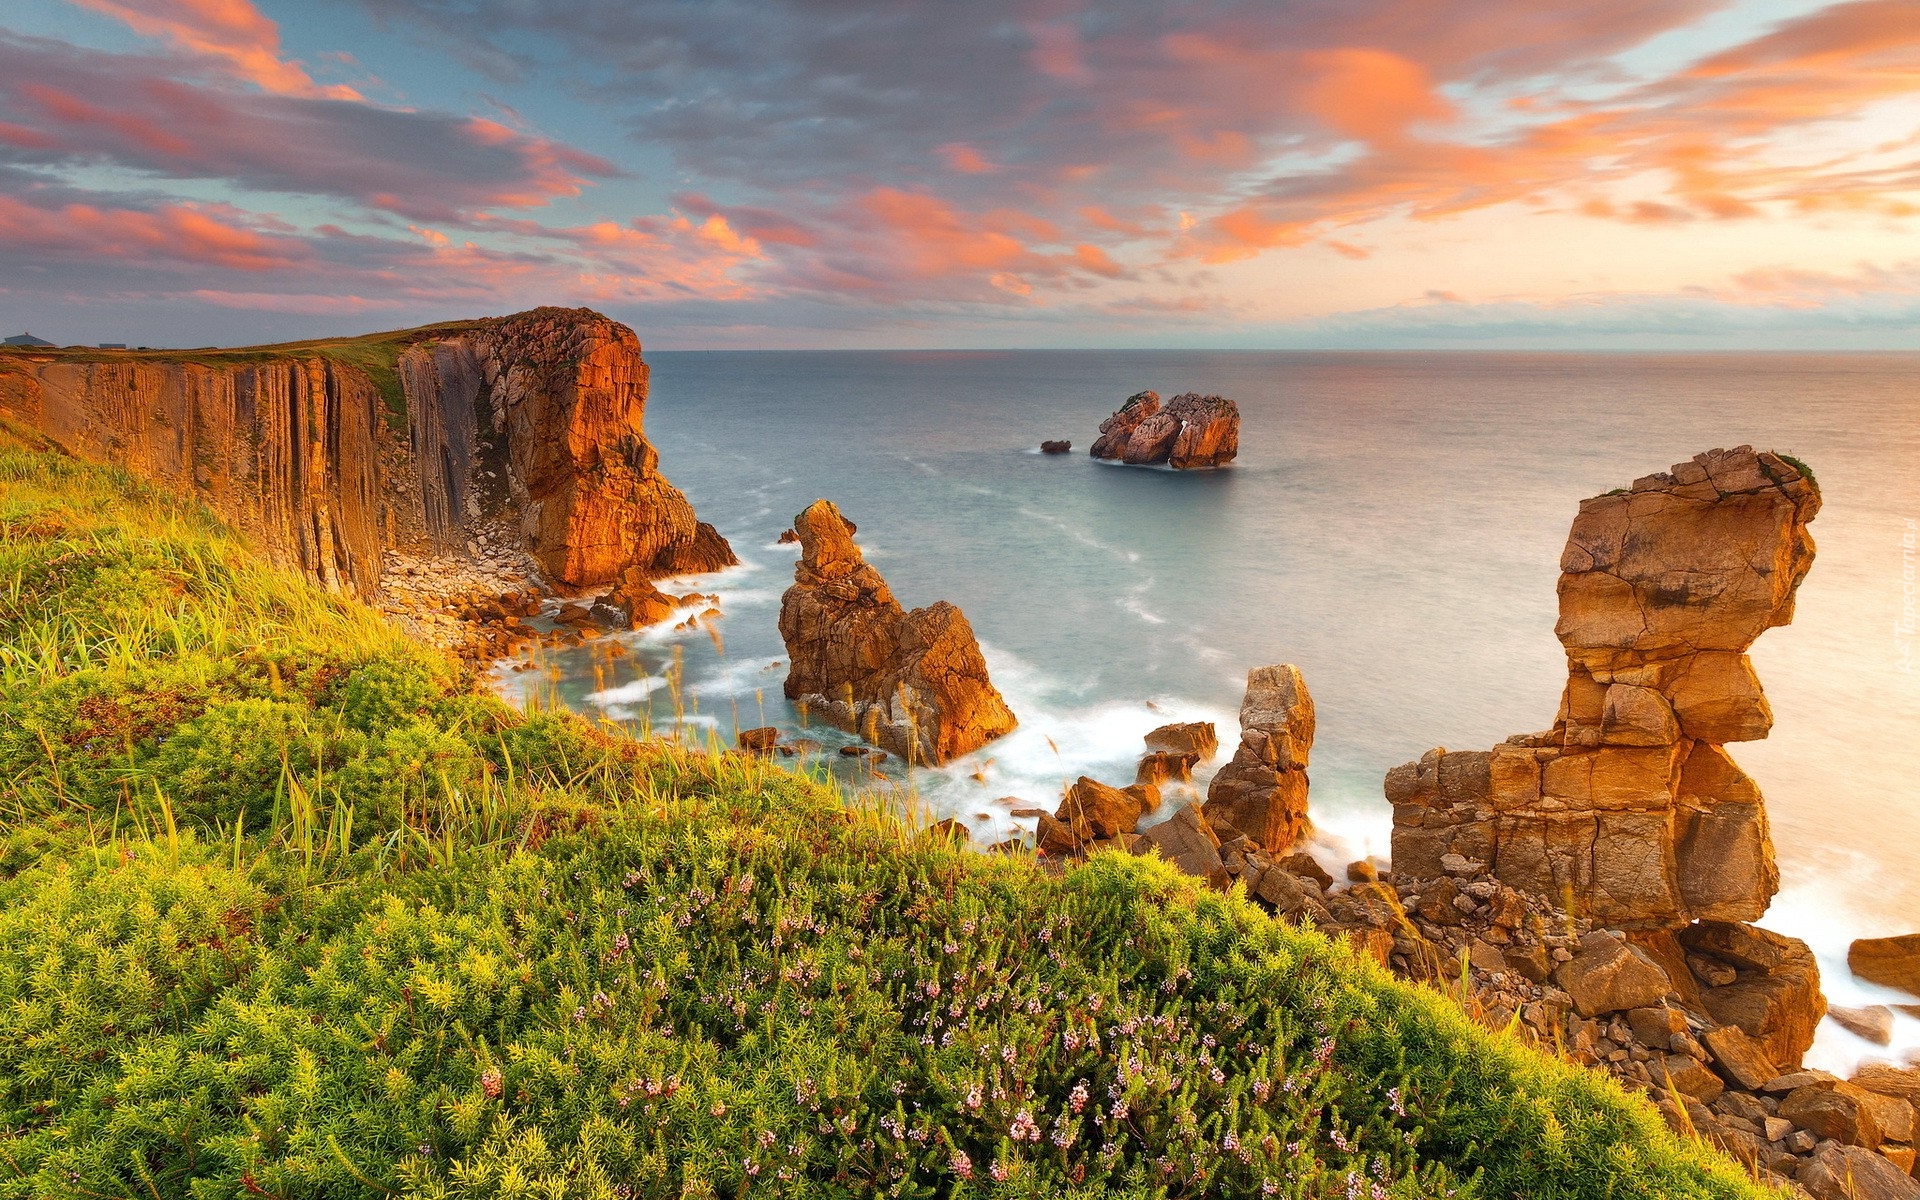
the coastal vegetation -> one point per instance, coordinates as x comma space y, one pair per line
288, 908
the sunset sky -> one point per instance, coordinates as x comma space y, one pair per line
770, 173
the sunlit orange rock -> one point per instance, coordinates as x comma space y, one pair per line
912, 682
1193, 432
528, 424
1628, 809
1262, 792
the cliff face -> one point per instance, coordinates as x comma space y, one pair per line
327, 453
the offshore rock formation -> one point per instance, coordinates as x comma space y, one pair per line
1629, 809
325, 454
914, 682
1193, 432
1262, 792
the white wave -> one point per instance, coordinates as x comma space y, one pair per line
1133, 601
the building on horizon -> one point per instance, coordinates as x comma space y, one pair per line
26, 339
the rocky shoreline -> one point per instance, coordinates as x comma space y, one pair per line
1590, 888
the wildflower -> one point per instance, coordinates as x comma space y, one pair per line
1023, 1129
961, 1164
1229, 1142
998, 1171
1077, 1098
719, 1109
491, 1083
973, 1098
1396, 1103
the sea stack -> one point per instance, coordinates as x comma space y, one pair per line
1629, 809
1191, 433
1262, 792
913, 682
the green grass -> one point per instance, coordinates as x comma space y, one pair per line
287, 911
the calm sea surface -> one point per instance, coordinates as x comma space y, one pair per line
1393, 526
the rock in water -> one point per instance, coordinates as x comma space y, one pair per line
1193, 432
1889, 961
913, 682
1628, 809
1061, 447
1262, 793
1117, 429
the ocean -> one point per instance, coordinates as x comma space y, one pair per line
1393, 526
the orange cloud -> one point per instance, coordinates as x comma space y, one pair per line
233, 31
1370, 95
965, 159
174, 234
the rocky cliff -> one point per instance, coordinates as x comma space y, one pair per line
912, 682
328, 453
1629, 808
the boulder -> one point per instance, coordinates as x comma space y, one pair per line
639, 601
1055, 447
1611, 976
1775, 994
1291, 896
1839, 1111
1887, 1080
1689, 1077
912, 682
1094, 810
1741, 1059
1838, 1172
1262, 792
1165, 766
1193, 432
1629, 806
1188, 842
1192, 737
757, 741
1888, 961
1874, 1022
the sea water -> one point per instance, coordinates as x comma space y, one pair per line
1393, 526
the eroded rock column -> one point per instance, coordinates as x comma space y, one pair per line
1629, 809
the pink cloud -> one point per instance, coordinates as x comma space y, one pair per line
167, 237
231, 31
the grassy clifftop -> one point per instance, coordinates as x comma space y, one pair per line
286, 911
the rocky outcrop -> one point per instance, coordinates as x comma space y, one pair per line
1193, 432
1059, 447
912, 682
327, 454
1262, 792
1629, 807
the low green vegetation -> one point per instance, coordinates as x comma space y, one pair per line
287, 911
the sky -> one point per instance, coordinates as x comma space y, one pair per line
1657, 174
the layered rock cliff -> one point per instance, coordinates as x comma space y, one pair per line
1629, 808
325, 454
912, 682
